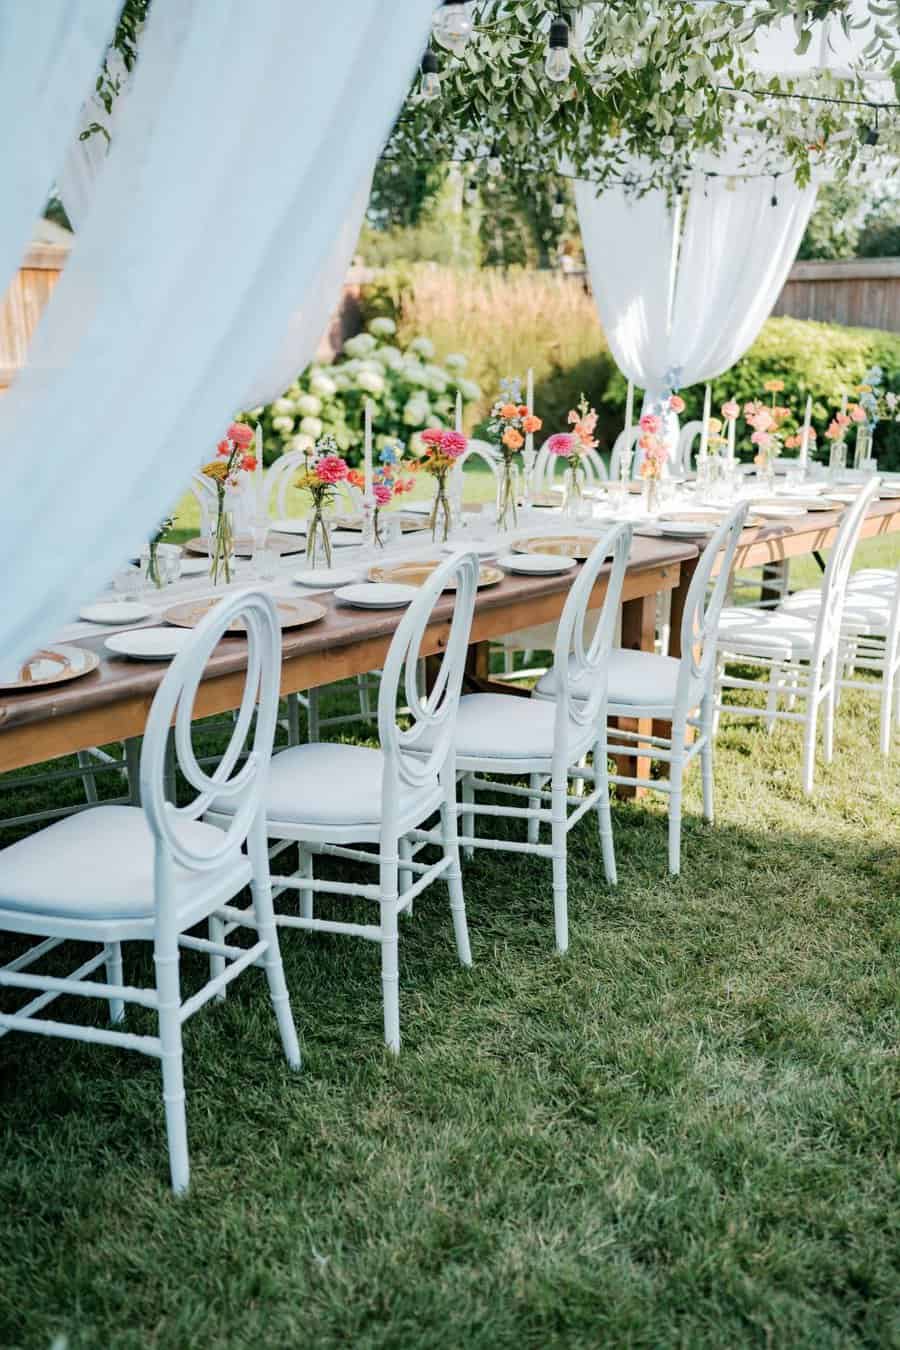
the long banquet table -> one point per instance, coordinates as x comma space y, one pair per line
112, 702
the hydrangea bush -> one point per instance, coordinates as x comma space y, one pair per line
409, 390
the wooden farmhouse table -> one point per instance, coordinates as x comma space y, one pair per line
112, 703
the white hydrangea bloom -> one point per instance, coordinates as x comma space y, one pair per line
360, 345
383, 327
283, 425
322, 385
469, 390
424, 346
309, 405
416, 411
456, 361
312, 426
370, 381
283, 407
389, 356
301, 442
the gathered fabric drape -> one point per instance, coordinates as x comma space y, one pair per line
50, 53
247, 132
674, 316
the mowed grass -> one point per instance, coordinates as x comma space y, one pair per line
685, 1133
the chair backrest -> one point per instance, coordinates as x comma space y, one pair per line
205, 495
174, 701
432, 717
280, 478
546, 467
703, 608
575, 661
619, 446
686, 437
837, 574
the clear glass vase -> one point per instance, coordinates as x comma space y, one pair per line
153, 572
650, 496
837, 459
318, 539
862, 450
221, 546
441, 519
507, 496
574, 483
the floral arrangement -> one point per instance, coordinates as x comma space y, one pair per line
323, 470
652, 443
233, 457
767, 422
153, 573
573, 445
442, 451
408, 389
509, 423
387, 482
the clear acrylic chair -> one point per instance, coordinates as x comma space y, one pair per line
508, 736
678, 690
328, 798
801, 654
118, 874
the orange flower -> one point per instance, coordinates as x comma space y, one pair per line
357, 479
532, 423
523, 410
773, 386
512, 439
509, 410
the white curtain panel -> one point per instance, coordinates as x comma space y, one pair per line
693, 311
246, 136
50, 52
77, 179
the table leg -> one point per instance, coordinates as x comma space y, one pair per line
477, 675
638, 633
773, 581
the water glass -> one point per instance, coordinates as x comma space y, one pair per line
127, 583
266, 562
391, 530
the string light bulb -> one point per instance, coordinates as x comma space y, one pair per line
494, 164
558, 65
452, 25
431, 80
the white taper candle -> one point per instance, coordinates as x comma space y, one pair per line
459, 412
629, 412
529, 399
367, 448
732, 433
804, 438
259, 476
704, 434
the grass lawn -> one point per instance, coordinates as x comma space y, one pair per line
685, 1133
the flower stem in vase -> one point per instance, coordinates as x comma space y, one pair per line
507, 491
318, 539
574, 490
222, 542
440, 511
153, 573
651, 495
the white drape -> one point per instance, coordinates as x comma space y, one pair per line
76, 181
246, 135
50, 51
735, 254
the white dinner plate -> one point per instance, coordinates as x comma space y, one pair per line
194, 567
484, 548
327, 576
115, 611
289, 526
417, 508
536, 564
771, 512
378, 595
150, 644
689, 529
344, 538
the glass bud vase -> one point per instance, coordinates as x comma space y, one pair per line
441, 519
650, 496
575, 507
862, 451
837, 460
318, 540
221, 547
153, 573
507, 496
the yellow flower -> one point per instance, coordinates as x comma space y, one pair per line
217, 469
715, 426
773, 386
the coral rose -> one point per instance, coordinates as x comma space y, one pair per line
731, 410
248, 463
512, 439
651, 423
508, 411
532, 423
857, 413
676, 403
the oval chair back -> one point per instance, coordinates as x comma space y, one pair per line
703, 609
684, 450
174, 701
619, 446
545, 468
837, 574
280, 478
577, 661
433, 716
205, 496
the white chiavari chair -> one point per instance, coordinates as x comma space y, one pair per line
332, 798
118, 874
801, 654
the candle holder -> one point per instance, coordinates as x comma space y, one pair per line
369, 511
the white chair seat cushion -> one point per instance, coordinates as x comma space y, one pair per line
98, 864
864, 614
772, 634
641, 679
505, 726
340, 785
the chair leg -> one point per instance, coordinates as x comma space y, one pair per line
165, 959
88, 781
365, 702
828, 724
560, 883
390, 969
534, 825
264, 917
887, 704
604, 812
169, 773
293, 719
113, 952
312, 715
216, 927
776, 678
676, 777
706, 758
809, 736
454, 879
133, 769
405, 874
468, 817
305, 870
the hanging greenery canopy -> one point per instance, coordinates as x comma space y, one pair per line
660, 85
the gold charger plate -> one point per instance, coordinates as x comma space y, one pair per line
53, 665
291, 613
548, 499
578, 546
408, 524
243, 545
417, 573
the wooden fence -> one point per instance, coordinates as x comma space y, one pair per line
857, 292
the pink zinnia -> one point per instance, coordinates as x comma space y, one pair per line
433, 436
562, 443
676, 403
331, 469
762, 439
382, 493
241, 434
651, 423
730, 410
453, 443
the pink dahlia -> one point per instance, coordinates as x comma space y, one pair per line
382, 493
453, 444
331, 469
433, 436
563, 443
